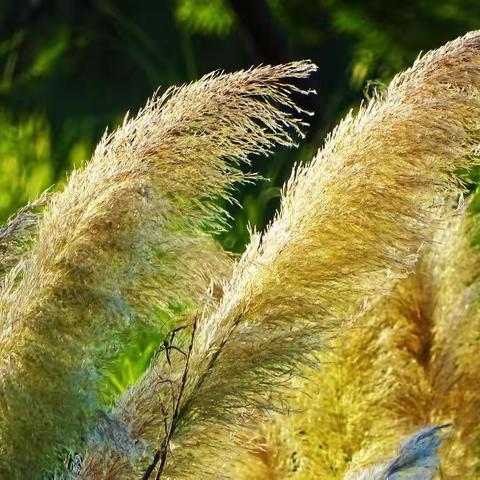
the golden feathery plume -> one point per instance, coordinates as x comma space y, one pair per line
446, 330
450, 287
126, 234
350, 223
454, 266
408, 363
369, 393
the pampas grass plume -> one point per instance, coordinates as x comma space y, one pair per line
127, 233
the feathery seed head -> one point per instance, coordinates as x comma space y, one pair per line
127, 233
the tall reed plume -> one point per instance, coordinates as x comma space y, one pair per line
444, 326
409, 362
350, 224
126, 234
454, 267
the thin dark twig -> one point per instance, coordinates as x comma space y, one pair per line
161, 453
177, 406
168, 345
151, 467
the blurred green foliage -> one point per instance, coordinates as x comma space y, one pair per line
205, 16
132, 362
69, 68
25, 167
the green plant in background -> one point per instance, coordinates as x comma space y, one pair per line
143, 345
25, 168
205, 16
135, 359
